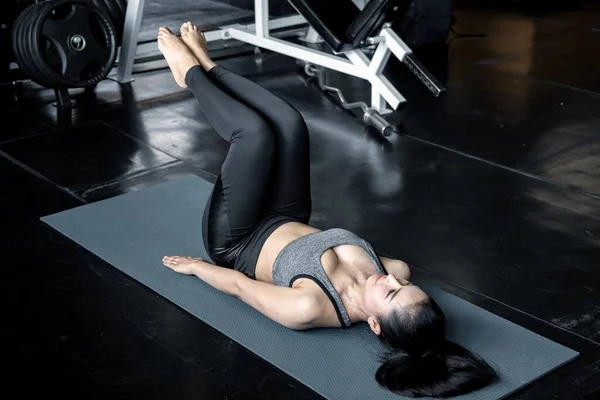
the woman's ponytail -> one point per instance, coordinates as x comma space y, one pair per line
421, 362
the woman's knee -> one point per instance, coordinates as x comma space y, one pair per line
294, 121
256, 135
295, 135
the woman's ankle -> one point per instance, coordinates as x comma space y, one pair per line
208, 64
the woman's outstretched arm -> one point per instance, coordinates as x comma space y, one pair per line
291, 307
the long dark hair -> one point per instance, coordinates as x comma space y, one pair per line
421, 362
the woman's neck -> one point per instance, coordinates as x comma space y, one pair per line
353, 294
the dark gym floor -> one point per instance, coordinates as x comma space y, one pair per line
493, 194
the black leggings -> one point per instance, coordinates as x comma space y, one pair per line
265, 178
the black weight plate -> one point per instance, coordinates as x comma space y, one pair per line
116, 14
111, 32
102, 6
109, 10
26, 51
122, 4
10, 12
33, 41
49, 56
15, 40
108, 38
23, 45
117, 17
113, 44
41, 44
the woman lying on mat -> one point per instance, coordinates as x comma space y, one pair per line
256, 230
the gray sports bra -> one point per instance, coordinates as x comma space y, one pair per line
302, 259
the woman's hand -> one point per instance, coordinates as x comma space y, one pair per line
221, 278
183, 265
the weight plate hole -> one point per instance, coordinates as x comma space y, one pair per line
63, 11
90, 71
52, 54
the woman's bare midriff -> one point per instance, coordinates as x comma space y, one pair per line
281, 237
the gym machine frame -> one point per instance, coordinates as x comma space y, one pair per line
352, 62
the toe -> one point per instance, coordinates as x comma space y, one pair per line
164, 29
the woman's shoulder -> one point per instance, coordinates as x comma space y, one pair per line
398, 268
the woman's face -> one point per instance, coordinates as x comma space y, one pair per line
384, 293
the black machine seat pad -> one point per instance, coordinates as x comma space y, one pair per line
330, 18
341, 22
368, 21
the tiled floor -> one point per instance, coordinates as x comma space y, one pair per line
492, 193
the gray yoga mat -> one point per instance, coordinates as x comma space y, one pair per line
134, 231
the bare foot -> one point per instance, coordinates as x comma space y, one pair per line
183, 265
177, 54
193, 37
